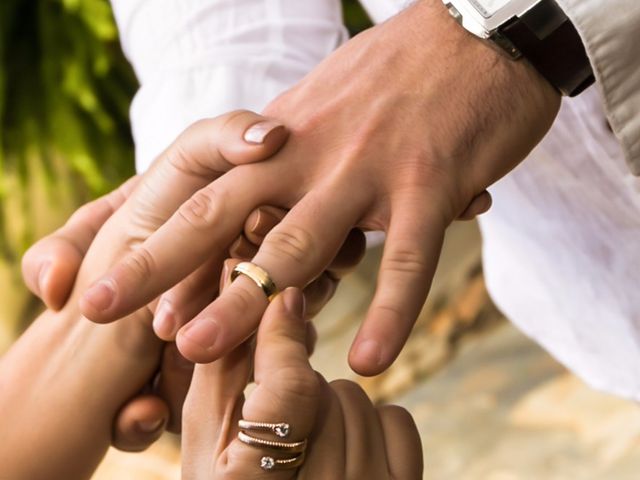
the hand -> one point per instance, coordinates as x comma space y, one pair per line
79, 373
49, 270
348, 437
50, 267
398, 130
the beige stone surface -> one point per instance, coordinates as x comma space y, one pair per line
503, 409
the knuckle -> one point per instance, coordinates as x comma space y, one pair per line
238, 299
347, 387
202, 210
230, 118
419, 171
232, 465
406, 260
293, 385
290, 243
141, 262
395, 314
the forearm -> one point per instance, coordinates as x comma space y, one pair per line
60, 387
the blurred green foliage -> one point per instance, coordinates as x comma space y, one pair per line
65, 90
355, 17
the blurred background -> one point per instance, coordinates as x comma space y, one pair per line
489, 403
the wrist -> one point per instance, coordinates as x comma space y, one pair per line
63, 378
497, 108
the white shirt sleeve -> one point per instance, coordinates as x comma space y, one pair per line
201, 58
610, 30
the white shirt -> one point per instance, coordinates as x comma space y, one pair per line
559, 243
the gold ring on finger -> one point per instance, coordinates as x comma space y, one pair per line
259, 276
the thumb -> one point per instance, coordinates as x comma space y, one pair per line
287, 392
50, 266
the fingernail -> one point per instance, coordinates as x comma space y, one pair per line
202, 332
257, 133
164, 321
150, 426
370, 352
294, 301
264, 223
42, 276
101, 295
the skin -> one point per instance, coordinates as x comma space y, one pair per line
64, 355
349, 438
384, 136
142, 419
66, 376
50, 269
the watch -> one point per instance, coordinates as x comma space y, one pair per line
537, 30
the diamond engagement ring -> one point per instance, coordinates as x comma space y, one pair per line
281, 431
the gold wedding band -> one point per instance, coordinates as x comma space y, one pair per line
259, 276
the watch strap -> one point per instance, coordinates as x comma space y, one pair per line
547, 38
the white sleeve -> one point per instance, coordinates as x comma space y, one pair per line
610, 30
201, 58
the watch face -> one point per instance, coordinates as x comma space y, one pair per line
488, 8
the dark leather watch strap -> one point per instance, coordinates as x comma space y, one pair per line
548, 39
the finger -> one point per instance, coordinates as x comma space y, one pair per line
480, 204
139, 423
212, 410
408, 264
213, 407
197, 157
349, 255
318, 293
49, 267
366, 454
328, 439
287, 389
402, 443
184, 301
293, 253
261, 221
173, 384
264, 219
242, 248
321, 290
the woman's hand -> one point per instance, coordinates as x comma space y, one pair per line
65, 380
50, 267
348, 437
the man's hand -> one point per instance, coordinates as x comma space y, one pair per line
398, 131
349, 437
